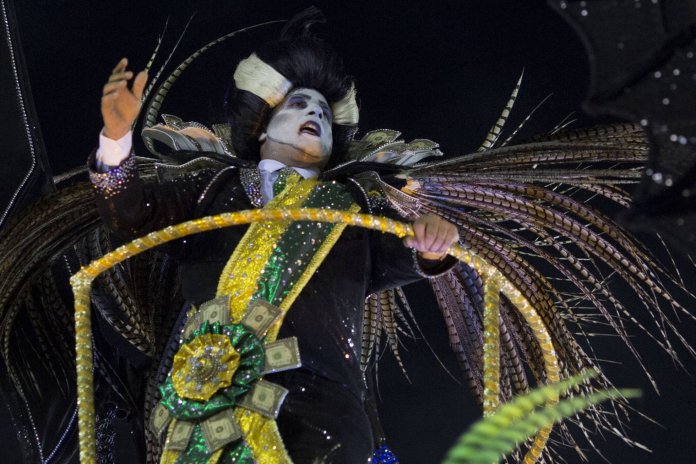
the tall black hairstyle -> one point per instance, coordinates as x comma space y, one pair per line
307, 62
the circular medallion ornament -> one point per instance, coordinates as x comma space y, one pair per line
212, 369
203, 366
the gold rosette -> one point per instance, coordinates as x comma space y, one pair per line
203, 366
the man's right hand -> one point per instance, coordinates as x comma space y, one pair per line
119, 104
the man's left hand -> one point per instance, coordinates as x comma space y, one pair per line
433, 236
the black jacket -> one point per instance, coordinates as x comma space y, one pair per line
326, 317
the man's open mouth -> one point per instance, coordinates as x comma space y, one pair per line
312, 128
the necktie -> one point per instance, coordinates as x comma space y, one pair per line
282, 179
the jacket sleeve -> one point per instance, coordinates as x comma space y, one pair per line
395, 265
131, 207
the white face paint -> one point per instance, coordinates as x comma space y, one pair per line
299, 131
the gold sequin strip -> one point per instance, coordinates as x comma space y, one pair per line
495, 283
82, 281
255, 247
251, 255
491, 346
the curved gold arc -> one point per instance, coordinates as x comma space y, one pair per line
81, 283
495, 283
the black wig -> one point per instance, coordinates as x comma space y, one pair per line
306, 62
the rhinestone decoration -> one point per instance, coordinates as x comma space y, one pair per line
383, 455
113, 181
203, 366
251, 181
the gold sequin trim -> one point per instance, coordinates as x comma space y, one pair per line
243, 270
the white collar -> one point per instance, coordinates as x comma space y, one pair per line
271, 165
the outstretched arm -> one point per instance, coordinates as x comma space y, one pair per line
127, 205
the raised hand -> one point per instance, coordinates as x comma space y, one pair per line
119, 104
433, 236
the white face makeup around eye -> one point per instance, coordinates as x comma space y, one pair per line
299, 132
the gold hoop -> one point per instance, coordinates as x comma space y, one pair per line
494, 283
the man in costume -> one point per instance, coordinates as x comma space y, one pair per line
505, 200
292, 108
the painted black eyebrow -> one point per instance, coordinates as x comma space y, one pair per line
324, 106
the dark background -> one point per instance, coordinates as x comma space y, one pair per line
441, 70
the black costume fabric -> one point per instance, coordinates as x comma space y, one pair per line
26, 174
648, 78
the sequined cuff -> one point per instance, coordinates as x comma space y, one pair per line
113, 181
432, 268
